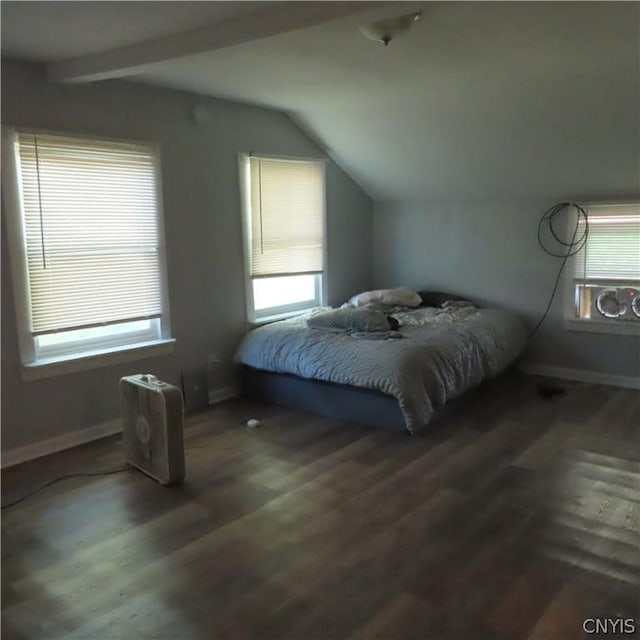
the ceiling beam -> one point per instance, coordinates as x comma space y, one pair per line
270, 21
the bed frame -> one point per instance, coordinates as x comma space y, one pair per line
331, 400
363, 406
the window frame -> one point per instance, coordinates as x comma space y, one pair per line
89, 354
571, 282
281, 312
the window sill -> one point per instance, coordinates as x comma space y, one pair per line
280, 316
51, 367
614, 327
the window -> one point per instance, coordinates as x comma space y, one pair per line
604, 283
284, 229
85, 235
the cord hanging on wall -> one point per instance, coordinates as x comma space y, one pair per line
552, 243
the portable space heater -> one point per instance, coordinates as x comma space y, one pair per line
152, 425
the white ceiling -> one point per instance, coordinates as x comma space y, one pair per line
478, 100
47, 31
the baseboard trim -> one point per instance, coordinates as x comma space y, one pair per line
42, 448
628, 382
18, 455
223, 393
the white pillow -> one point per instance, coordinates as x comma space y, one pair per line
401, 297
360, 320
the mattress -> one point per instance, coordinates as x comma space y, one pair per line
435, 356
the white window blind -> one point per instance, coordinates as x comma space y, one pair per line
287, 217
91, 230
612, 251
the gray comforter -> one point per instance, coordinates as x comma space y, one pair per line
435, 356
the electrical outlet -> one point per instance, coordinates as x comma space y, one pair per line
195, 388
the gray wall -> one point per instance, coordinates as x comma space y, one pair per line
203, 230
555, 119
489, 251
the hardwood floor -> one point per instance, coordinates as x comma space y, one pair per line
518, 517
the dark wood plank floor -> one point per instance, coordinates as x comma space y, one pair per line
518, 517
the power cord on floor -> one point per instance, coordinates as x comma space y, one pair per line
563, 249
65, 477
107, 472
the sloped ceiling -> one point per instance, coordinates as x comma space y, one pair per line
479, 100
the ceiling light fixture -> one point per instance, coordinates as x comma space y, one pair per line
385, 30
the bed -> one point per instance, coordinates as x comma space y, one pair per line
397, 379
